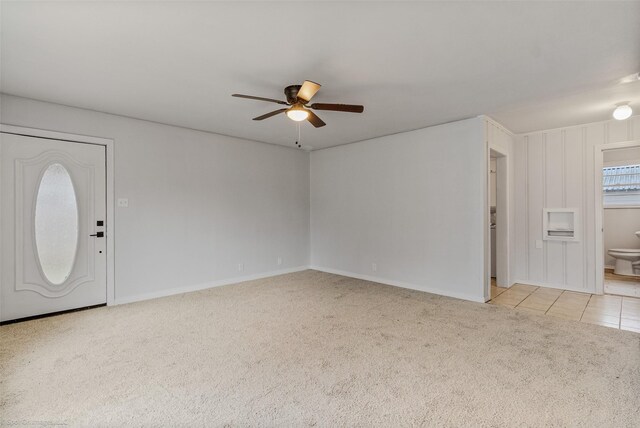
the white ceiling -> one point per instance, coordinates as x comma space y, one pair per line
530, 65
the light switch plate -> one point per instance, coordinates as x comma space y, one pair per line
123, 203
538, 243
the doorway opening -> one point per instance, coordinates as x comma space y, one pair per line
618, 219
498, 265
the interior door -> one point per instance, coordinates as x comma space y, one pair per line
52, 226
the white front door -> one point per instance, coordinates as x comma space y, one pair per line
52, 216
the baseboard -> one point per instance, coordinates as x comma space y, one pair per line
556, 286
426, 289
198, 287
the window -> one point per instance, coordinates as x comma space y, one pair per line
56, 224
621, 185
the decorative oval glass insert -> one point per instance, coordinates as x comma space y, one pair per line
56, 224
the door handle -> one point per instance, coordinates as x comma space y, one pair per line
98, 235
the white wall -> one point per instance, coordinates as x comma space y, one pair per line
199, 203
554, 169
415, 203
412, 203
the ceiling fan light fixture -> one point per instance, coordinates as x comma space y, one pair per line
622, 112
635, 77
298, 96
297, 113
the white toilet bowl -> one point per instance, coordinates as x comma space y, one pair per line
626, 261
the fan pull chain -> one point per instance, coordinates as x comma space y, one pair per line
298, 141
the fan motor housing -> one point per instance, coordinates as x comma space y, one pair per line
291, 92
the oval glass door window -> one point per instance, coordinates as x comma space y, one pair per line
56, 224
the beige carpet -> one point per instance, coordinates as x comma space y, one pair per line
316, 349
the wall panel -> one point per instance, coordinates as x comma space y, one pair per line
536, 195
554, 192
560, 172
574, 190
521, 200
406, 209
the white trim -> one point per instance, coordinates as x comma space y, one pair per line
614, 164
486, 217
500, 126
503, 236
110, 230
576, 225
423, 288
110, 222
53, 135
206, 285
598, 158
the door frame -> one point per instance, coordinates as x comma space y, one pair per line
503, 239
110, 220
599, 206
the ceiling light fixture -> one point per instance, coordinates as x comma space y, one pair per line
297, 113
635, 77
622, 112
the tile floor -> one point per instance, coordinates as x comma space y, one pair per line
621, 285
609, 311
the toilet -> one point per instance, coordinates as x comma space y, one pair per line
627, 260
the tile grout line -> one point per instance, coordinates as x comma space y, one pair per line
619, 313
516, 305
526, 297
582, 312
529, 295
554, 302
585, 308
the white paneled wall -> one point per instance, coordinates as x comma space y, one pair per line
556, 169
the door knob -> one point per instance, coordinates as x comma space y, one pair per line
98, 235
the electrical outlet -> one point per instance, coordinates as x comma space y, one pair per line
374, 267
123, 203
240, 267
279, 261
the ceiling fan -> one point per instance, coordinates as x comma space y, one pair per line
298, 97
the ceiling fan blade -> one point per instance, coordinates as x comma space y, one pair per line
315, 120
250, 97
308, 90
268, 115
351, 108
